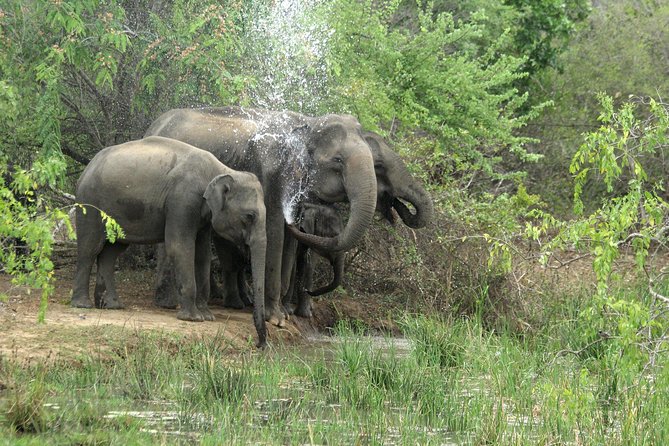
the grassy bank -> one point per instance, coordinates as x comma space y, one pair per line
453, 382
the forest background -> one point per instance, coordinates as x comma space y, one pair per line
539, 128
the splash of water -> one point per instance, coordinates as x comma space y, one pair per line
297, 180
289, 48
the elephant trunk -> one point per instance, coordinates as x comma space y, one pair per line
360, 185
258, 248
337, 263
419, 198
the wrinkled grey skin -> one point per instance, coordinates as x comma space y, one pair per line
162, 190
323, 221
337, 163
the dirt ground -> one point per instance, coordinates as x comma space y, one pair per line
70, 332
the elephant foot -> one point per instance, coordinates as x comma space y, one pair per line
207, 314
304, 310
81, 302
192, 315
163, 300
109, 303
289, 309
275, 317
166, 295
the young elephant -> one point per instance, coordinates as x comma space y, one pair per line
323, 221
163, 190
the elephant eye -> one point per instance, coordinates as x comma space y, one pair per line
338, 159
250, 217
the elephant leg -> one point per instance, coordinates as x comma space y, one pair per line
230, 260
105, 288
305, 274
289, 296
186, 285
90, 240
180, 250
202, 272
231, 292
275, 234
166, 290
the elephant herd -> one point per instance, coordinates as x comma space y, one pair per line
225, 175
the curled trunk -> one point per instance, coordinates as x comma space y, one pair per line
422, 204
407, 188
337, 263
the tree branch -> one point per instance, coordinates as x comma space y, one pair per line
74, 155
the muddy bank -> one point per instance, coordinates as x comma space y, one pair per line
70, 332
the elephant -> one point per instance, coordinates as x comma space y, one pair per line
395, 185
177, 197
298, 269
325, 158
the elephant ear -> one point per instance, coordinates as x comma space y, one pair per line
374, 145
377, 154
217, 190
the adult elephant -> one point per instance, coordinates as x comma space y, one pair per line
395, 186
289, 152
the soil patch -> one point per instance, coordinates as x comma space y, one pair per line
69, 333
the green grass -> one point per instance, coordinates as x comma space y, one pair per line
458, 383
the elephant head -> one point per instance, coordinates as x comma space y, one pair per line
395, 185
238, 215
342, 169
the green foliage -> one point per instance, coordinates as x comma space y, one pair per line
435, 342
632, 215
538, 30
26, 236
24, 409
186, 63
434, 79
503, 390
615, 153
544, 28
618, 52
